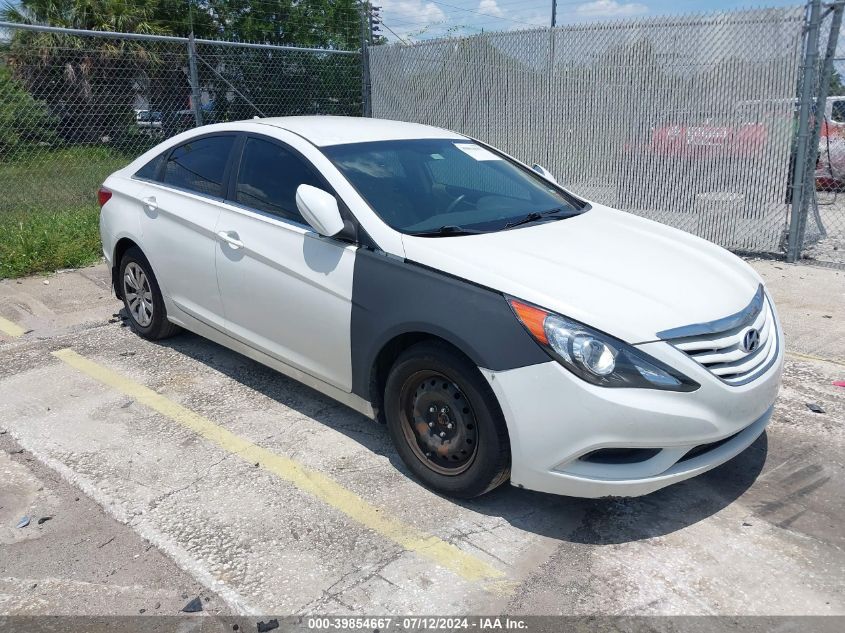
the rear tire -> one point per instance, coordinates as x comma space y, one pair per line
142, 298
445, 421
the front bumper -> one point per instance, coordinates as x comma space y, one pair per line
555, 420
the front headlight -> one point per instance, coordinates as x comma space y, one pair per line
596, 357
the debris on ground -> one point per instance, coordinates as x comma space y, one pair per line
16, 452
128, 353
194, 606
126, 404
43, 520
269, 626
23, 522
812, 406
836, 383
46, 282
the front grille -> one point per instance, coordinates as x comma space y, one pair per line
719, 345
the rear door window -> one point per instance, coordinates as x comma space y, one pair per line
268, 177
200, 165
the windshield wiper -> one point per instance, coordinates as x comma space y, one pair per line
534, 216
448, 229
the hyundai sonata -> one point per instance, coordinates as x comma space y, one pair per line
501, 326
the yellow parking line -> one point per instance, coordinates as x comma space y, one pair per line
820, 359
11, 329
327, 490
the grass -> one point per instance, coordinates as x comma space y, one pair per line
48, 208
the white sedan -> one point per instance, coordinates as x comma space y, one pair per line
502, 327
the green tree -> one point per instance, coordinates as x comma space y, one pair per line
23, 120
89, 84
94, 15
313, 23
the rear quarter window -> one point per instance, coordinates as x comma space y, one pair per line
152, 169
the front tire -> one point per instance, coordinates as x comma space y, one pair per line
142, 297
445, 422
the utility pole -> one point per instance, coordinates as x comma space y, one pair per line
193, 76
554, 13
196, 95
370, 32
365, 59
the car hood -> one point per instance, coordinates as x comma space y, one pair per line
627, 276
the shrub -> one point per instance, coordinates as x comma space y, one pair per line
23, 120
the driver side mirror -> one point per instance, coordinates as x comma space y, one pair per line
319, 208
544, 172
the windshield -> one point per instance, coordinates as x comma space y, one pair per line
448, 186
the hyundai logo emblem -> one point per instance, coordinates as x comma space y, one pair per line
751, 340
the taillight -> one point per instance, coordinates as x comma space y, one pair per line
103, 195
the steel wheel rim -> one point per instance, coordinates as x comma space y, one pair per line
138, 295
429, 403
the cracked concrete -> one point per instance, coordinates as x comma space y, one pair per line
760, 535
80, 561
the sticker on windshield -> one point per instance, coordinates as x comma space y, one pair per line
476, 151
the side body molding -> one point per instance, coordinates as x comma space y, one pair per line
391, 297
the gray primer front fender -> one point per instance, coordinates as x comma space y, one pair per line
391, 297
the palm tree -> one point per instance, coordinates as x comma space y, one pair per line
87, 83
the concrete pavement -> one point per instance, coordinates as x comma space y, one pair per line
156, 443
73, 558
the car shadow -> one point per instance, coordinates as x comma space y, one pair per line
622, 520
587, 521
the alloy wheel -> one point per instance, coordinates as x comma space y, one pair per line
139, 296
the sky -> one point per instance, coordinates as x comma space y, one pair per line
414, 20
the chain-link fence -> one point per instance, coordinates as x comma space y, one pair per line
687, 120
705, 122
819, 211
75, 106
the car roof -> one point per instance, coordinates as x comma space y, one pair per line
339, 130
